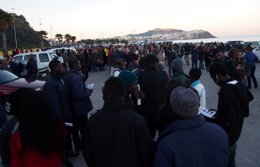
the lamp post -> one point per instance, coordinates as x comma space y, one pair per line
15, 39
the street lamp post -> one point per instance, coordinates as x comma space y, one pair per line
15, 39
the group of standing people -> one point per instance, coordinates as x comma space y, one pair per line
149, 118
47, 120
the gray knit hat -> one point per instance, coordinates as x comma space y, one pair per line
177, 63
184, 102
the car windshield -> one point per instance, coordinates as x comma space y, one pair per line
6, 76
52, 54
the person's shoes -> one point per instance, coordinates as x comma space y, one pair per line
72, 153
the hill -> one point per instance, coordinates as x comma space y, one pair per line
170, 34
26, 36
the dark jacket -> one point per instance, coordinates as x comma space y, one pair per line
119, 138
153, 84
84, 61
233, 106
191, 143
31, 67
165, 116
178, 74
80, 103
57, 93
251, 58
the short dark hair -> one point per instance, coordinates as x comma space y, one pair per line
135, 56
195, 73
73, 63
54, 63
151, 60
142, 63
113, 89
218, 68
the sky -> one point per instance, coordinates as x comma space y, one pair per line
109, 18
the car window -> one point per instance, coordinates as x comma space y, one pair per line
27, 57
18, 58
44, 57
6, 76
53, 55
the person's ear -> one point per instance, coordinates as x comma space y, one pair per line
107, 97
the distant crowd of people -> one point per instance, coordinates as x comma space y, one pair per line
240, 62
149, 117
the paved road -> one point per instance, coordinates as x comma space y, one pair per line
248, 151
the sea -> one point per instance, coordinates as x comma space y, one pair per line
244, 38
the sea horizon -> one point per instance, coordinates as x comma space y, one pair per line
244, 38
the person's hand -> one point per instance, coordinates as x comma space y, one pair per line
140, 94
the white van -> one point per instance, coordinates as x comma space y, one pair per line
42, 58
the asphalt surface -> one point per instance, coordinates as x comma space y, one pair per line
248, 148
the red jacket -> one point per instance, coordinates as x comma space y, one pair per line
31, 158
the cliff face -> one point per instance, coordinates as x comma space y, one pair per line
170, 34
26, 36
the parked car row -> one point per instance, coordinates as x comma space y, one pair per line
241, 44
253, 44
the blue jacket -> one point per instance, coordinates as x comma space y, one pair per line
250, 58
80, 102
57, 93
192, 143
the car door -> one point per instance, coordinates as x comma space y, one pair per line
257, 52
43, 61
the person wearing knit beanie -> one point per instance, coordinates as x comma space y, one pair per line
177, 71
184, 102
177, 64
128, 77
133, 93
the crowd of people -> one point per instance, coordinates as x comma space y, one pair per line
149, 117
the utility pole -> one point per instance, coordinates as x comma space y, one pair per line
15, 39
51, 35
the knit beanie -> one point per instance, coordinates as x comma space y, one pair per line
184, 102
177, 63
128, 77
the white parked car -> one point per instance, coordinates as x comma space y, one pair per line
42, 58
253, 44
256, 51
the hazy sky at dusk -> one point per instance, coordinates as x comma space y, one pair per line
109, 18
